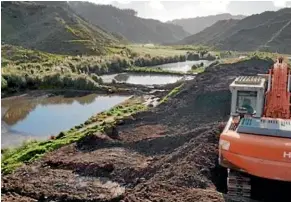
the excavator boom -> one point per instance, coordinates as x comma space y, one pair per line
278, 94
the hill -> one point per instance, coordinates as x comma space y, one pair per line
52, 28
126, 23
195, 25
268, 31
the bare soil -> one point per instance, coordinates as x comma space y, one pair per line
13, 197
166, 154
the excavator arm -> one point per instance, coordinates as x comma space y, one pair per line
277, 103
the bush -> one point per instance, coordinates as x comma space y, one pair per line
194, 67
15, 81
96, 78
3, 83
60, 135
210, 57
193, 56
53, 80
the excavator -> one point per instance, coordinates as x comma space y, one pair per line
256, 140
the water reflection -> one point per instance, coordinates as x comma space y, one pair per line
17, 109
44, 116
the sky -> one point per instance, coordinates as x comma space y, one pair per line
169, 10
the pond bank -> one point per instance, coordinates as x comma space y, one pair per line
38, 117
101, 122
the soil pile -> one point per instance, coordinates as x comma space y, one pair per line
166, 154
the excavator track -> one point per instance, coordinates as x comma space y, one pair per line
238, 186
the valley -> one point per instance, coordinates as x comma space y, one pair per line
98, 104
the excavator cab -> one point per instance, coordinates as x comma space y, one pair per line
253, 143
248, 92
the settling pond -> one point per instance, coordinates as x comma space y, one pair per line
141, 78
28, 117
155, 79
183, 66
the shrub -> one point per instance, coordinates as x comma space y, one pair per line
96, 78
3, 83
60, 135
194, 67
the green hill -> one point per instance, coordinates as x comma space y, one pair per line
126, 23
52, 28
195, 25
268, 31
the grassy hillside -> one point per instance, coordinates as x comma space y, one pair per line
268, 31
51, 28
195, 25
211, 33
127, 24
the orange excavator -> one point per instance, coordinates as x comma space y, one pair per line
256, 141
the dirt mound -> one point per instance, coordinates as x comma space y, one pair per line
95, 141
142, 132
190, 165
48, 184
113, 160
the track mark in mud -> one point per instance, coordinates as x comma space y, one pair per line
117, 163
63, 185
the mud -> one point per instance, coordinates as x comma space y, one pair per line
163, 192
13, 197
166, 154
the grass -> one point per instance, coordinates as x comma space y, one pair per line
193, 48
30, 151
23, 68
156, 50
172, 93
248, 56
15, 55
197, 71
18, 81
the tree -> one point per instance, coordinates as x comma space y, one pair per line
130, 11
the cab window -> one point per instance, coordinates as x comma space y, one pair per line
248, 100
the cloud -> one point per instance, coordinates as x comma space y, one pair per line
173, 9
156, 4
280, 3
213, 6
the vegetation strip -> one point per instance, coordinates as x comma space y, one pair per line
173, 92
153, 70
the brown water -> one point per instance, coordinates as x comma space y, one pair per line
26, 117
